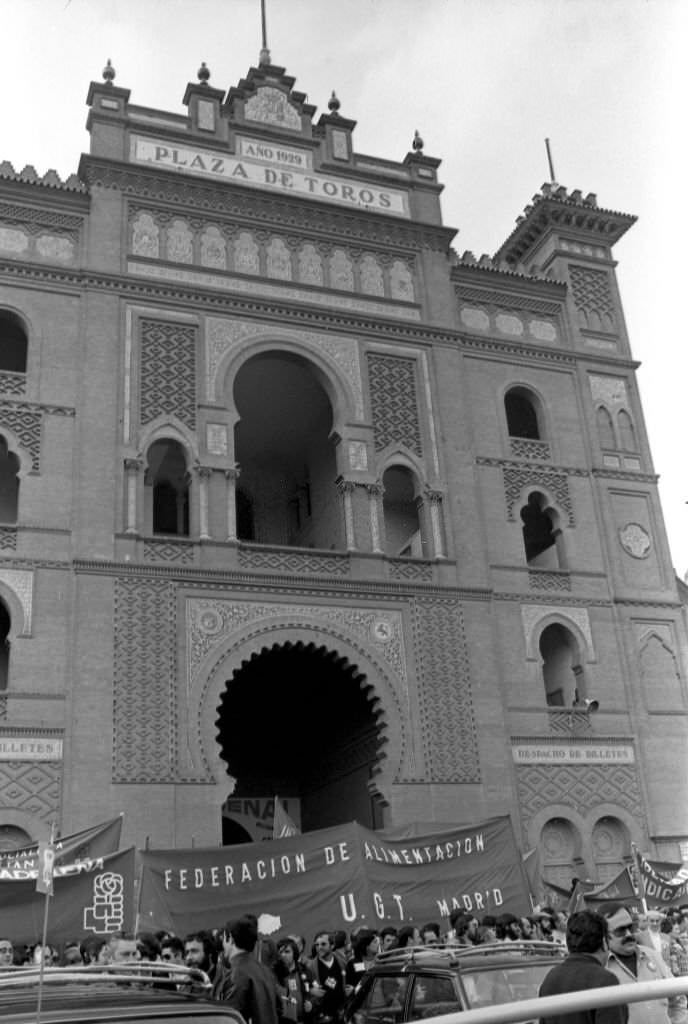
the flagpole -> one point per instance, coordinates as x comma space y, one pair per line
641, 879
44, 936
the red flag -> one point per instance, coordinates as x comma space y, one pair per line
283, 826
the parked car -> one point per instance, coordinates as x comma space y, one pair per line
420, 982
117, 994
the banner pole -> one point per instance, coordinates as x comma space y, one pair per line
44, 936
139, 892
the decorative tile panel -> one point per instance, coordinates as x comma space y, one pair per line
609, 390
410, 569
592, 296
25, 424
8, 538
32, 787
12, 383
20, 582
222, 335
519, 478
394, 402
524, 448
299, 563
581, 788
144, 686
446, 700
168, 551
168, 371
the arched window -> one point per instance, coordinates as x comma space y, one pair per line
9, 483
13, 342
5, 627
627, 441
560, 844
285, 447
403, 535
611, 848
541, 535
562, 671
522, 418
244, 516
168, 480
605, 429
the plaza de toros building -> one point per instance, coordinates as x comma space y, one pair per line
296, 500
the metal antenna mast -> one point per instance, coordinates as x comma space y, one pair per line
264, 53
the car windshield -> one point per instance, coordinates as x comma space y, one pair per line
492, 986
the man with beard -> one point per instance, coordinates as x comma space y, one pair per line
583, 968
199, 952
630, 962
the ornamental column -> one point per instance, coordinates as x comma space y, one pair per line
231, 476
374, 494
204, 473
346, 489
132, 468
435, 500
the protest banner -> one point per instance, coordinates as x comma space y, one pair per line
617, 889
97, 898
96, 841
658, 890
336, 878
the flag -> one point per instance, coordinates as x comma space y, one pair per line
96, 841
45, 868
577, 898
283, 826
96, 898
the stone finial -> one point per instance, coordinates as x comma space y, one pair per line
417, 142
109, 72
334, 103
203, 74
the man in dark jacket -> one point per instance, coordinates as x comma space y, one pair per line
583, 968
252, 989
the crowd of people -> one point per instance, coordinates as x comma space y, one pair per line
288, 981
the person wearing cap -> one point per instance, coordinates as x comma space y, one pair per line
652, 935
630, 961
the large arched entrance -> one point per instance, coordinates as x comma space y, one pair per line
298, 720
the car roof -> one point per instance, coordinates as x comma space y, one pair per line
120, 992
414, 959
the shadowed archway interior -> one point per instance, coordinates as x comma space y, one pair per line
300, 721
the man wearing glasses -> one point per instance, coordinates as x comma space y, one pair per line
632, 962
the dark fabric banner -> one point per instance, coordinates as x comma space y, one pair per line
97, 898
617, 889
659, 890
90, 843
336, 878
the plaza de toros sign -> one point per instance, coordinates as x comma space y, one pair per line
262, 165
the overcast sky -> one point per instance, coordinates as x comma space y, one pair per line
484, 81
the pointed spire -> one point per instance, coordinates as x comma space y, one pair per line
264, 53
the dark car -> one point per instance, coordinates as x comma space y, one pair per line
122, 994
425, 981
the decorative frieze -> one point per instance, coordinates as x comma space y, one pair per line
226, 247
168, 371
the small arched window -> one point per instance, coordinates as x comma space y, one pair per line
627, 441
5, 627
562, 672
9, 483
522, 418
168, 477
403, 536
605, 429
541, 535
13, 342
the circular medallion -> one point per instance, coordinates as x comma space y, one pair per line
635, 540
381, 630
210, 621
